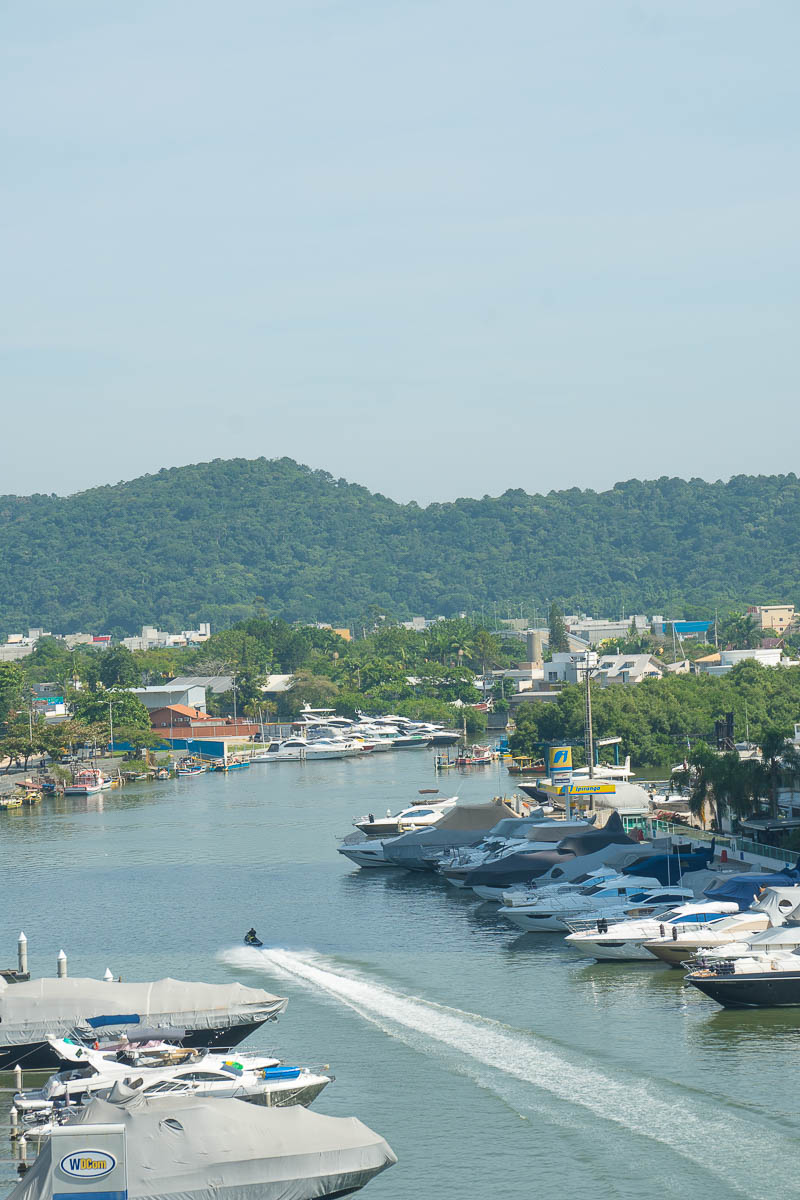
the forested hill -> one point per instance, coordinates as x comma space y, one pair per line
206, 541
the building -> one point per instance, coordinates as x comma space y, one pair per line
276, 685
216, 684
155, 639
569, 667
48, 701
728, 659
772, 616
595, 630
627, 668
179, 716
162, 695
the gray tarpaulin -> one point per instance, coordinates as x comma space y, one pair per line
191, 1149
30, 1011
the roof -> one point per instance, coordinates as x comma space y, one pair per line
277, 683
214, 683
183, 710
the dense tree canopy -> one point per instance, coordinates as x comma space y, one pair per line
220, 540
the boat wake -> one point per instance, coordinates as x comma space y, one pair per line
703, 1130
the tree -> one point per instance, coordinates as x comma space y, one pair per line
118, 668
779, 761
12, 684
559, 640
486, 648
126, 709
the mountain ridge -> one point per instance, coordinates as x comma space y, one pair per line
213, 540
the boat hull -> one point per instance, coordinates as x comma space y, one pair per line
34, 1056
762, 989
613, 951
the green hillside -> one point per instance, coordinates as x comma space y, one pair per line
206, 541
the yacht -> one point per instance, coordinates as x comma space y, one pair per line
162, 1070
505, 838
206, 1014
757, 981
421, 814
624, 941
300, 749
614, 898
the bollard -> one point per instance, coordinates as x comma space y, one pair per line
22, 1147
18, 1078
14, 1123
22, 954
62, 965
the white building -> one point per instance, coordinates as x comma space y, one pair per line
728, 659
627, 668
595, 630
156, 639
163, 694
569, 668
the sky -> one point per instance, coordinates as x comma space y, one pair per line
437, 247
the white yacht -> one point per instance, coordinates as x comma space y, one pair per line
161, 1069
300, 749
422, 813
607, 900
624, 941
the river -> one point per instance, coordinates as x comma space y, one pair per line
494, 1064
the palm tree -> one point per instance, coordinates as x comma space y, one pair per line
487, 648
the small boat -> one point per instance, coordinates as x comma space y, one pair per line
420, 815
30, 793
524, 765
190, 766
477, 756
87, 783
7, 802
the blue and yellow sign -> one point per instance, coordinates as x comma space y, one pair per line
559, 758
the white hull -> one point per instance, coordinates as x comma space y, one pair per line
493, 894
82, 790
366, 856
632, 951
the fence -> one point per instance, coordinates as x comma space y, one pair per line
736, 846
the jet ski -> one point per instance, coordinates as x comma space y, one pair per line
250, 939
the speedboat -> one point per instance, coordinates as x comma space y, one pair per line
624, 941
165, 1070
213, 1015
300, 749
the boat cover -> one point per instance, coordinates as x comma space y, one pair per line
30, 1011
744, 888
465, 825
193, 1149
531, 864
781, 904
670, 868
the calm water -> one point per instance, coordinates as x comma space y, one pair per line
494, 1064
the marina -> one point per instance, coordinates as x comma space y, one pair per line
538, 1063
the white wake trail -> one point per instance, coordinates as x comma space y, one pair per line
704, 1132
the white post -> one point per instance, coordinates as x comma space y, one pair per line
18, 1077
22, 954
62, 965
14, 1123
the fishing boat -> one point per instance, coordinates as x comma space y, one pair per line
7, 802
475, 756
190, 766
87, 783
29, 792
524, 765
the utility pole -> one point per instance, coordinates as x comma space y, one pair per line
589, 731
111, 725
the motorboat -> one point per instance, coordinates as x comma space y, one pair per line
475, 756
594, 845
610, 899
364, 851
420, 815
189, 766
193, 1148
300, 749
753, 981
507, 837
164, 1070
216, 1016
464, 825
771, 923
87, 783
624, 941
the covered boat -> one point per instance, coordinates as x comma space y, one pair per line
465, 825
194, 1149
205, 1014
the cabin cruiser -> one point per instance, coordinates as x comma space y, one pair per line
194, 1148
213, 1015
771, 923
752, 981
423, 813
300, 749
465, 825
624, 941
163, 1070
559, 861
536, 830
611, 899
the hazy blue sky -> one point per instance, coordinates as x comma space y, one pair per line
439, 247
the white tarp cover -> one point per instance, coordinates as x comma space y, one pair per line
779, 903
195, 1149
30, 1011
